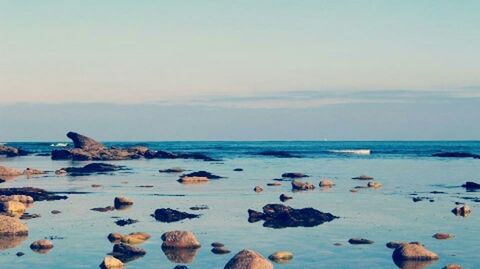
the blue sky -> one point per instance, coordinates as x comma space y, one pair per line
243, 56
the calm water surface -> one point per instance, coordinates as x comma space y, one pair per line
386, 214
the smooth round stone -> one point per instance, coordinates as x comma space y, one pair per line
326, 183
41, 246
220, 250
110, 262
281, 256
258, 189
360, 241
217, 245
442, 236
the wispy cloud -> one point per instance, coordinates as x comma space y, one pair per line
315, 98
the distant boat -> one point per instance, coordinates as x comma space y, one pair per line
59, 145
352, 151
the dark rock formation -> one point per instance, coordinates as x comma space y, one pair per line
123, 222
36, 193
293, 175
12, 151
456, 155
202, 174
282, 216
86, 148
278, 154
127, 253
93, 168
469, 185
172, 215
360, 241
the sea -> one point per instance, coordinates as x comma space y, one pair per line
406, 170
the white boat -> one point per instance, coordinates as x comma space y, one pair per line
59, 145
352, 151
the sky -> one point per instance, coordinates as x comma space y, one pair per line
243, 63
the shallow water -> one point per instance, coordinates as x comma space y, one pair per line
382, 215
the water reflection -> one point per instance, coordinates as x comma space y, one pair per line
7, 242
180, 255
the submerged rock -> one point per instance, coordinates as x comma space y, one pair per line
41, 246
127, 253
257, 189
277, 153
193, 180
281, 256
282, 216
363, 177
360, 241
93, 168
172, 170
442, 236
293, 175
122, 202
326, 183
103, 209
123, 222
220, 250
298, 185
284, 197
180, 239
172, 215
374, 184
199, 207
248, 259
36, 193
202, 174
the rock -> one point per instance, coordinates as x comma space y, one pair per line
238, 170
96, 186
202, 174
84, 142
463, 211
10, 151
274, 184
278, 154
103, 209
284, 197
415, 252
258, 189
122, 202
471, 185
55, 212
281, 216
123, 222
114, 237
452, 266
41, 246
456, 155
337, 244
326, 183
10, 226
93, 168
353, 190
302, 186
363, 177
374, 184
199, 207
19, 254
9, 172
395, 245
32, 172
360, 241
442, 236
220, 250
281, 256
293, 175
135, 238
61, 172
17, 198
248, 259
126, 252
172, 215
217, 245
12, 208
193, 180
172, 170
110, 262
180, 239
27, 216
180, 267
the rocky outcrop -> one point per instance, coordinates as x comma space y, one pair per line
282, 216
126, 253
10, 226
180, 239
86, 148
413, 252
469, 185
35, 193
298, 185
12, 151
248, 259
93, 168
171, 215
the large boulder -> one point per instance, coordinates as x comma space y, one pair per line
248, 259
84, 142
10, 226
180, 239
282, 216
9, 172
413, 252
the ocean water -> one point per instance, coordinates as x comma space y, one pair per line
382, 215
